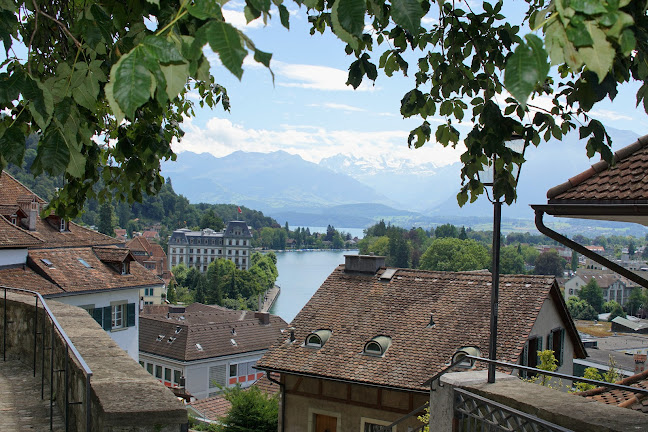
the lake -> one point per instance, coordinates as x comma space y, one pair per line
300, 274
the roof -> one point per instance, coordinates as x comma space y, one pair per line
357, 307
634, 325
26, 278
65, 269
603, 280
74, 236
622, 398
12, 236
113, 254
202, 332
617, 192
11, 190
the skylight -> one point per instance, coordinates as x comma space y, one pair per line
377, 346
82, 261
160, 337
47, 262
318, 338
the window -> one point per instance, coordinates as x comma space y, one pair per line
190, 241
117, 316
230, 242
556, 342
14, 219
213, 251
220, 251
167, 374
198, 241
530, 354
244, 242
217, 376
173, 250
125, 268
377, 346
158, 371
233, 370
190, 250
148, 291
318, 338
176, 377
63, 226
237, 242
149, 368
371, 425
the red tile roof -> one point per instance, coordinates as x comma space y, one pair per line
11, 190
622, 398
191, 336
625, 181
12, 236
357, 307
62, 266
153, 254
26, 278
74, 236
113, 254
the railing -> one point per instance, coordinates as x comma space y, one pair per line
476, 413
69, 346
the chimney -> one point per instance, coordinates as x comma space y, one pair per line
363, 263
33, 213
640, 363
292, 334
264, 317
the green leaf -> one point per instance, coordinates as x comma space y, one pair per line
205, 9
52, 154
250, 14
407, 14
579, 36
284, 16
131, 83
40, 100
155, 2
12, 145
10, 85
225, 40
260, 5
600, 56
86, 94
339, 29
176, 78
351, 15
525, 69
627, 42
114, 106
588, 7
165, 50
76, 167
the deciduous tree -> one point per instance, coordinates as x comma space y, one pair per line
452, 254
592, 294
549, 263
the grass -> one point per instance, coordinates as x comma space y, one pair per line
594, 328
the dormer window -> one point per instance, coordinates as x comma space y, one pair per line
318, 338
377, 346
14, 219
125, 268
63, 225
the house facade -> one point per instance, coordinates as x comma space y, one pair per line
209, 346
199, 248
152, 257
365, 344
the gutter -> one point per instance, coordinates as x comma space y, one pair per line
586, 252
283, 400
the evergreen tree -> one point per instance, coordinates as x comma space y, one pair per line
199, 296
574, 261
171, 293
106, 225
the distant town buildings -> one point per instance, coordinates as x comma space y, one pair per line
152, 257
210, 346
199, 248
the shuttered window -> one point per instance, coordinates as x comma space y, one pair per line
217, 376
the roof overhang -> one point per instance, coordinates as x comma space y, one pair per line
632, 213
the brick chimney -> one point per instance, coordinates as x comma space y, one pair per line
33, 214
264, 317
640, 363
363, 263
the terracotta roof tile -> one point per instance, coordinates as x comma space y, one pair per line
626, 180
357, 307
26, 278
66, 270
197, 335
113, 254
622, 398
11, 190
212, 408
75, 236
12, 236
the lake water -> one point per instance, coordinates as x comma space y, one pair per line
300, 274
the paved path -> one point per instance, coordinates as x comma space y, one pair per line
270, 297
21, 407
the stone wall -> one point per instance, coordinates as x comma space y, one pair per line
124, 397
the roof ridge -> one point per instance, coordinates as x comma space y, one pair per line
23, 186
598, 167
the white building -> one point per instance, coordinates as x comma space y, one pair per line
210, 346
199, 248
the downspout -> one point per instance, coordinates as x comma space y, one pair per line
629, 274
283, 400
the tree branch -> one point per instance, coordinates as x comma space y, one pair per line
59, 23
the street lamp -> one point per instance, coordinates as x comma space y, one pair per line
516, 144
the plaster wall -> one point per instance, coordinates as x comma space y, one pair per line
352, 405
156, 298
128, 337
13, 257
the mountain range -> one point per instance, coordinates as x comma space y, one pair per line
354, 192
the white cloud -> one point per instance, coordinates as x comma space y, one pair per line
314, 77
221, 137
609, 115
237, 19
339, 107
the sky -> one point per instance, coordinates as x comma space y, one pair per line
309, 110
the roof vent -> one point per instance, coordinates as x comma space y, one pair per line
318, 338
171, 339
292, 334
431, 323
160, 337
233, 342
233, 331
199, 347
377, 346
363, 263
178, 329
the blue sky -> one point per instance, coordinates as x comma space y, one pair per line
311, 112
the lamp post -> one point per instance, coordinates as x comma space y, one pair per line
516, 144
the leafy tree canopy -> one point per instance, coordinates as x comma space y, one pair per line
105, 84
549, 263
453, 254
592, 294
251, 411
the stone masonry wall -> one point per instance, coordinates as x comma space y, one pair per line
124, 397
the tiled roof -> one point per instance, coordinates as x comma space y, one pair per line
604, 280
113, 254
12, 236
622, 398
201, 335
626, 181
212, 408
154, 251
26, 278
67, 271
11, 190
11, 209
74, 236
357, 307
